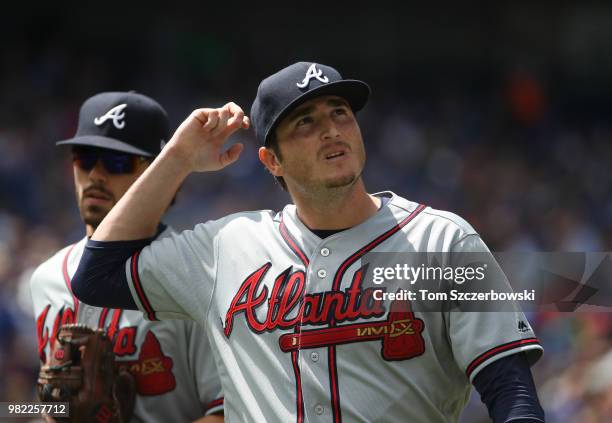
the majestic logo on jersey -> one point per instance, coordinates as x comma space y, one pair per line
522, 326
288, 307
312, 73
116, 114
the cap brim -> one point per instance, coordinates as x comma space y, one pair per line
354, 91
104, 142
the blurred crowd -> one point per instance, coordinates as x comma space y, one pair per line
524, 170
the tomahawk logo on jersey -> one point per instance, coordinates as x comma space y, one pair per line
161, 356
298, 303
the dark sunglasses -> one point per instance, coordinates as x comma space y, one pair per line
115, 162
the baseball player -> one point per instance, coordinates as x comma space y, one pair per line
119, 133
294, 326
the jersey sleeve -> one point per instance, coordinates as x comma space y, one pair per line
173, 277
204, 370
480, 337
506, 387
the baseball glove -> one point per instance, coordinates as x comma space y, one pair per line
81, 371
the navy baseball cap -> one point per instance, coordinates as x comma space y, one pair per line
282, 92
122, 121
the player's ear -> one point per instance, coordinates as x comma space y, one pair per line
269, 159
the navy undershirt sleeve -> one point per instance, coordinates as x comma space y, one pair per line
506, 387
100, 279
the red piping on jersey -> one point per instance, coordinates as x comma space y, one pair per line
372, 245
102, 319
333, 371
498, 350
138, 286
215, 403
292, 243
68, 282
295, 355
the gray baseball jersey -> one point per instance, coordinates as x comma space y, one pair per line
176, 377
296, 334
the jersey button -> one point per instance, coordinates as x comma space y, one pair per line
319, 409
324, 252
322, 273
314, 356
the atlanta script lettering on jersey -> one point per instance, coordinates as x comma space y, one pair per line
64, 316
354, 303
123, 338
152, 369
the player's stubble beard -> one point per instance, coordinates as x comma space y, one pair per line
92, 215
333, 187
327, 191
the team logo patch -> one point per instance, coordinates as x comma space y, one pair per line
116, 115
312, 73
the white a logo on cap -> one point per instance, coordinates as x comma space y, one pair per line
311, 73
116, 114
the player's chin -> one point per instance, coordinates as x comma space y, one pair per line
341, 180
94, 215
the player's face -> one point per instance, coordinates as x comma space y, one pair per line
97, 189
320, 145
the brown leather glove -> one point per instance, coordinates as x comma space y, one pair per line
81, 371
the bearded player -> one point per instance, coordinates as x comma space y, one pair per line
283, 295
119, 134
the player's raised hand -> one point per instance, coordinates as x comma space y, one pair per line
201, 137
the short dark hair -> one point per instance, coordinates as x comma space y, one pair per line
273, 145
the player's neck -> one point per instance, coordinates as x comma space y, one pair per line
344, 209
